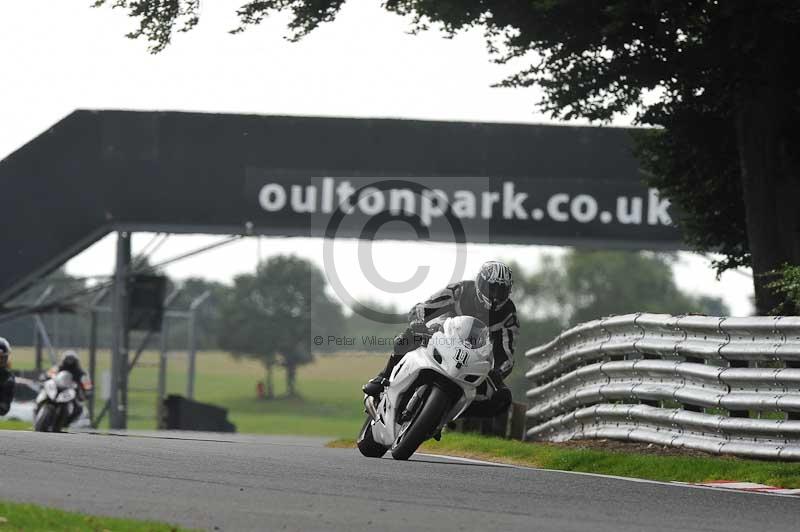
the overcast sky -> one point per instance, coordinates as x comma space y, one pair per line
60, 55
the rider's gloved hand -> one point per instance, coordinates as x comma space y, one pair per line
436, 327
419, 327
419, 332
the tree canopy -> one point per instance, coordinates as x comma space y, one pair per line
370, 335
207, 319
603, 283
274, 314
718, 77
584, 285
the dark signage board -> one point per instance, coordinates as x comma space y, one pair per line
485, 209
99, 171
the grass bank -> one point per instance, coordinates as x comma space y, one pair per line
30, 517
664, 468
13, 424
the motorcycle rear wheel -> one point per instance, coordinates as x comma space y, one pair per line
422, 425
367, 444
45, 418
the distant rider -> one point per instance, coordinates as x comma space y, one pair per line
70, 362
486, 298
7, 380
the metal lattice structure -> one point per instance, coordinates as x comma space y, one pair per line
722, 385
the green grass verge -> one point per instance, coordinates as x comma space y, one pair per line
664, 468
13, 424
29, 517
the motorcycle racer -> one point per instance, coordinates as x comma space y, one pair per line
7, 380
71, 362
486, 298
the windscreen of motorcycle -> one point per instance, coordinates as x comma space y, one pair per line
472, 332
64, 380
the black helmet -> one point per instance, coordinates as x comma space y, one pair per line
70, 360
493, 284
5, 351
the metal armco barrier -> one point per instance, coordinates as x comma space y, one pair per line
682, 381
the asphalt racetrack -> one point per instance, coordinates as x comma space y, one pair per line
239, 482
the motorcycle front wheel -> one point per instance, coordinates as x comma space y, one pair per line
367, 444
422, 425
45, 418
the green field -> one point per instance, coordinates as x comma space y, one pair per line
30, 517
329, 402
14, 425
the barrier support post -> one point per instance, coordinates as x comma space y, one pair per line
118, 415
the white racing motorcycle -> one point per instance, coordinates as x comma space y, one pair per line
55, 403
431, 386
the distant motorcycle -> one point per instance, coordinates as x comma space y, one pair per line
431, 386
55, 403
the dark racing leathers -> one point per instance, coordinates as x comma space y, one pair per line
460, 299
7, 382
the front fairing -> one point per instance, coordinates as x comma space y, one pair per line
467, 368
41, 397
66, 396
49, 391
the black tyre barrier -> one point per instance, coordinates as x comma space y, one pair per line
180, 413
509, 424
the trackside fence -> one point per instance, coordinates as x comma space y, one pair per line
721, 385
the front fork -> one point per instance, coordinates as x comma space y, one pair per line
369, 407
411, 407
413, 403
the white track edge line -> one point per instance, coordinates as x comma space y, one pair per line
674, 483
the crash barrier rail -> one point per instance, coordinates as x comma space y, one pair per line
721, 385
179, 413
